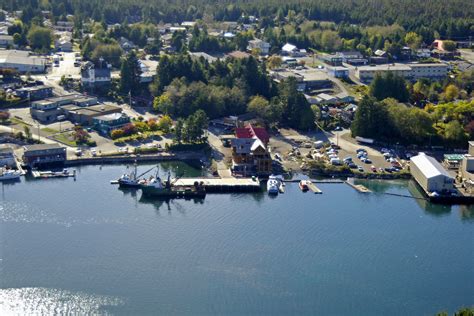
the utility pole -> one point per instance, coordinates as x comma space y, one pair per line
39, 135
130, 98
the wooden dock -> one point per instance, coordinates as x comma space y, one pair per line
359, 187
314, 188
223, 184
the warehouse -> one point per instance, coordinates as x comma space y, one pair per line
430, 174
21, 61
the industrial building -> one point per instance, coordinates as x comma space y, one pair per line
21, 61
430, 174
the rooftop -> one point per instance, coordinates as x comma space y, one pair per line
429, 166
29, 148
110, 117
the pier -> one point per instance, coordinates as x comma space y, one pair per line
222, 184
314, 188
52, 174
359, 187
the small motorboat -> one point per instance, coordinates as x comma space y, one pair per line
273, 185
304, 185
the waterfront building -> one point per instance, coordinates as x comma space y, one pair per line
106, 123
430, 174
7, 157
41, 154
249, 151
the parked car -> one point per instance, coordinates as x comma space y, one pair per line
367, 161
373, 168
360, 168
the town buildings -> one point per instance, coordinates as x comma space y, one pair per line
34, 93
7, 157
104, 124
6, 40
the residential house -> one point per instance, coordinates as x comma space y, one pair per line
338, 71
64, 42
257, 44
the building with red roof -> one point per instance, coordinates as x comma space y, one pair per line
249, 131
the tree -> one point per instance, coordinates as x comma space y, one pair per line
109, 52
178, 131
165, 123
40, 38
163, 103
130, 72
80, 135
451, 92
27, 131
296, 112
274, 61
413, 40
449, 45
258, 105
454, 133
116, 133
389, 85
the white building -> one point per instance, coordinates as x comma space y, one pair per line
430, 174
64, 42
21, 61
92, 75
289, 49
263, 46
408, 71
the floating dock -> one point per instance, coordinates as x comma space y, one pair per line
359, 187
222, 184
52, 174
314, 188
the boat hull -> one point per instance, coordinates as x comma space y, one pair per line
172, 193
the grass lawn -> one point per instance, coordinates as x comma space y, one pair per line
16, 121
63, 138
49, 130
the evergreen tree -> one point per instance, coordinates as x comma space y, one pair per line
130, 74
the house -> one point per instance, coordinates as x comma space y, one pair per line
338, 72
289, 49
126, 45
93, 75
34, 93
6, 41
104, 124
257, 44
430, 174
21, 61
380, 53
44, 154
333, 60
423, 53
63, 26
7, 157
346, 56
249, 151
64, 42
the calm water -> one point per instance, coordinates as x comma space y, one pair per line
87, 247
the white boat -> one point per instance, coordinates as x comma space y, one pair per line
273, 185
8, 174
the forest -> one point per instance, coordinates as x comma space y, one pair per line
450, 19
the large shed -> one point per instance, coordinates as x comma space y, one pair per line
430, 174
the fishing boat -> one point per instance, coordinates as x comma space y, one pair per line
154, 187
304, 185
273, 185
8, 174
132, 180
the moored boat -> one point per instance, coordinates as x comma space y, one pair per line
154, 187
304, 185
273, 185
8, 174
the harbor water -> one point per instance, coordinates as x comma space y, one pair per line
84, 246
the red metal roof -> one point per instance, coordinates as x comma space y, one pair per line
252, 132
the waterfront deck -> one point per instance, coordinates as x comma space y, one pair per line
359, 187
223, 184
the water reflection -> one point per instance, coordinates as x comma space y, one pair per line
425, 204
169, 203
